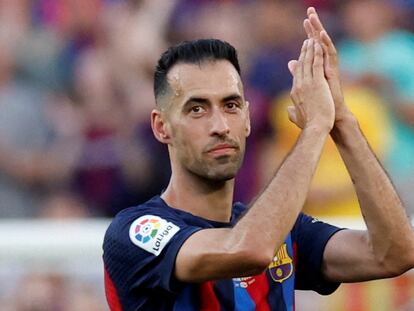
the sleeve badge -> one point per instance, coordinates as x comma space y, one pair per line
152, 233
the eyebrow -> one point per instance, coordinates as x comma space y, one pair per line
202, 100
232, 97
194, 99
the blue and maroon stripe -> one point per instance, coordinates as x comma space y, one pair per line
262, 293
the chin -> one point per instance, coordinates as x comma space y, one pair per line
222, 174
215, 175
221, 177
218, 171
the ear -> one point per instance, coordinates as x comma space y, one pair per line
159, 127
248, 127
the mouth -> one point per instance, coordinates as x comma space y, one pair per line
222, 149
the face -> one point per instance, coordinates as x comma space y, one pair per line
208, 120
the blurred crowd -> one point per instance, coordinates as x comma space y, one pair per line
76, 95
52, 291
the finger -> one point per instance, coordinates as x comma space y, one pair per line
315, 20
307, 66
292, 114
322, 34
330, 54
303, 51
299, 67
311, 10
326, 57
318, 61
330, 47
292, 66
308, 28
324, 47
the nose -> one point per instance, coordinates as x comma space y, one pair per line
219, 125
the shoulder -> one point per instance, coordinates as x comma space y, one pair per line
149, 227
140, 224
141, 244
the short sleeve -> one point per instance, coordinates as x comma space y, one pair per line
140, 252
311, 236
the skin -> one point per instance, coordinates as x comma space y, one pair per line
209, 111
386, 249
207, 192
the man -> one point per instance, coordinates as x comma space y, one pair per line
190, 248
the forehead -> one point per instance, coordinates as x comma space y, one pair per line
210, 78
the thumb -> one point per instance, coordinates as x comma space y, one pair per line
292, 114
292, 66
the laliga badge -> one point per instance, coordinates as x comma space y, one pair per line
152, 233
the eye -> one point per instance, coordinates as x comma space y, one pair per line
231, 106
196, 110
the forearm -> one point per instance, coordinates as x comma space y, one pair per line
390, 236
249, 247
277, 208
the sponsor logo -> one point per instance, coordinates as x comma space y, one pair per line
243, 282
281, 268
152, 233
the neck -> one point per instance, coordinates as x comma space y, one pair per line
208, 199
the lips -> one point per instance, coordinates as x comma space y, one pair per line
222, 149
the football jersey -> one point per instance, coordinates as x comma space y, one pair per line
142, 242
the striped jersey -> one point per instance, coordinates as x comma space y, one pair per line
142, 242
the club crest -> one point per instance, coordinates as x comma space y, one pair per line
281, 268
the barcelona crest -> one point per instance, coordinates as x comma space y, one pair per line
281, 268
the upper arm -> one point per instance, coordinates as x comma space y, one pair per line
349, 257
311, 237
140, 252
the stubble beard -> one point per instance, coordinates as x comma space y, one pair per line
215, 170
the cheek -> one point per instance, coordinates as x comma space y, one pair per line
187, 141
192, 130
240, 126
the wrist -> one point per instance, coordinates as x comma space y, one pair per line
320, 125
343, 114
345, 120
345, 128
320, 129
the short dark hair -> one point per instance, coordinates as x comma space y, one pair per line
192, 52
